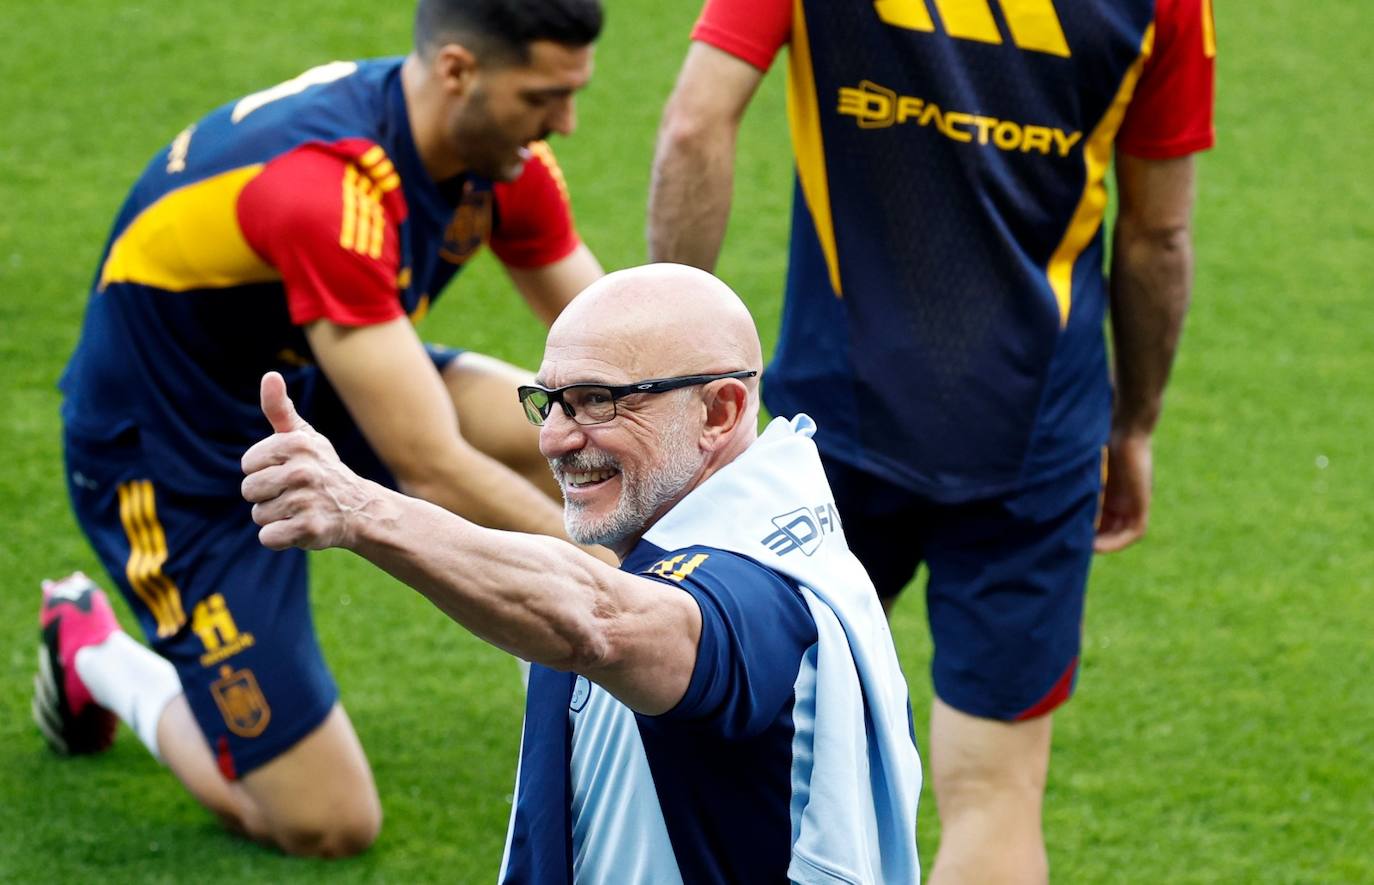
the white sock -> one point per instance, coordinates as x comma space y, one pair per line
130, 680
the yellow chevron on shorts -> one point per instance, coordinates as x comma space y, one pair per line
147, 553
364, 220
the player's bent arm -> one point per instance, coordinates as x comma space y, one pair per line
1151, 282
533, 596
548, 289
389, 384
543, 601
694, 161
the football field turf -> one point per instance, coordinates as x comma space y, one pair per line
1223, 729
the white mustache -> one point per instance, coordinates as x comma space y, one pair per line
582, 462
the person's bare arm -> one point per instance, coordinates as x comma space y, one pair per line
389, 384
532, 596
548, 289
1151, 281
694, 161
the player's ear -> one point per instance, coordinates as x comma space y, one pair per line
726, 406
454, 67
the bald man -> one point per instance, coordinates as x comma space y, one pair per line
727, 706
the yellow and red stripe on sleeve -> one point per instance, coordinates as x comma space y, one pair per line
328, 218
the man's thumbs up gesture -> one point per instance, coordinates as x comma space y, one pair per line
302, 494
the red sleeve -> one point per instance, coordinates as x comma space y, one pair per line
534, 223
751, 30
328, 217
1170, 114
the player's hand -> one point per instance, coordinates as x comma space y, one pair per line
302, 494
1126, 498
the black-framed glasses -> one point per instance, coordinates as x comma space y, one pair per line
595, 403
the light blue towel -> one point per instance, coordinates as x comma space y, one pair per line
773, 504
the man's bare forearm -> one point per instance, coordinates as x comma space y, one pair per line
689, 197
536, 597
694, 162
528, 594
1151, 282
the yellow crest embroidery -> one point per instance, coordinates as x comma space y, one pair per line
241, 702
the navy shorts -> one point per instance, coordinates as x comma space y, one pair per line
1007, 579
232, 616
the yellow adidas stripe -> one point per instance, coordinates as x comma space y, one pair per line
350, 208
363, 229
147, 554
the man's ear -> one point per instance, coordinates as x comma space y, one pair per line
726, 403
454, 68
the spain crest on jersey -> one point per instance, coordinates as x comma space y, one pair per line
241, 702
470, 226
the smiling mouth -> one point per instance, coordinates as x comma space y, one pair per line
581, 478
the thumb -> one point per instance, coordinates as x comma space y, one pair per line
277, 406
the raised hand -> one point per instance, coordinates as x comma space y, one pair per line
302, 494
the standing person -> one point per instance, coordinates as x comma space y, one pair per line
302, 229
943, 321
726, 707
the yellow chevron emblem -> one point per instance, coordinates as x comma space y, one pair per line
1034, 24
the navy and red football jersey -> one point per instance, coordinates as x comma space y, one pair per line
945, 292
302, 202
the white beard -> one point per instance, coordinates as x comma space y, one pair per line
642, 492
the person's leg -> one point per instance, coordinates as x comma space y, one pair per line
989, 780
1005, 603
258, 735
246, 713
316, 799
312, 799
489, 414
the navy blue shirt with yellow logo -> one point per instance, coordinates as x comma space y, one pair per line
945, 292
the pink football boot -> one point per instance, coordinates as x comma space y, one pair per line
75, 614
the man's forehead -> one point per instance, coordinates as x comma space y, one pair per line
554, 65
585, 362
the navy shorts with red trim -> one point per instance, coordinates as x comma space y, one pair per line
1006, 586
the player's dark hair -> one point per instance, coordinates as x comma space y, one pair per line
500, 31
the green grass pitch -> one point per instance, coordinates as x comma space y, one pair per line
1222, 728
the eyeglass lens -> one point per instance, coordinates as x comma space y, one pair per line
590, 405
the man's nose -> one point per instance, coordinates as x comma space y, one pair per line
563, 118
560, 434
